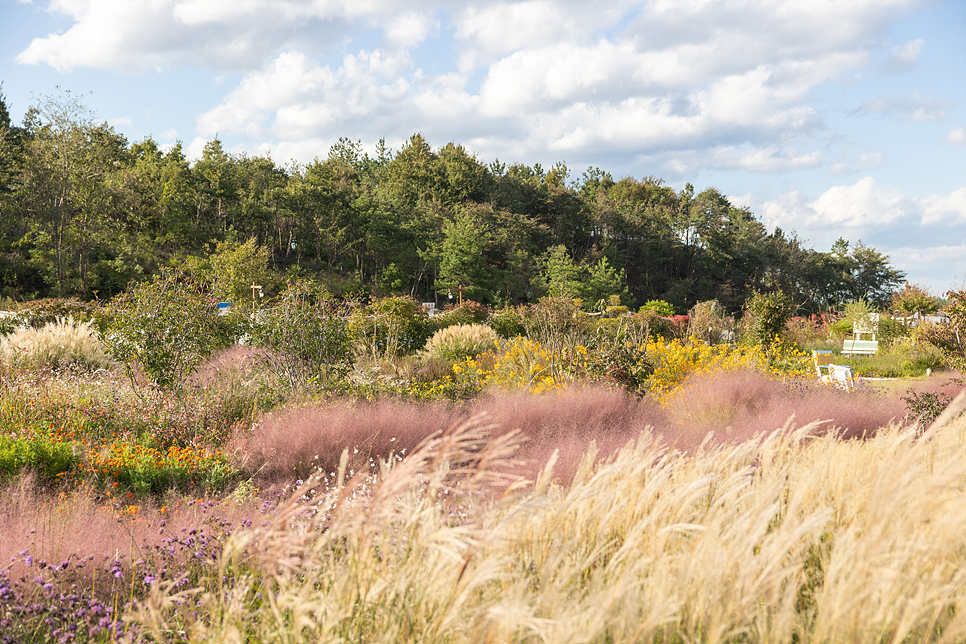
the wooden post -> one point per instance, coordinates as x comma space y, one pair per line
255, 289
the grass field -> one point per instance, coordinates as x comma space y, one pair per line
658, 491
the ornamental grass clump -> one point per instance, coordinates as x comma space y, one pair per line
461, 341
56, 345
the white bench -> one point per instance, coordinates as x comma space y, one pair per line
860, 347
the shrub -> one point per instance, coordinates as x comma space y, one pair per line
49, 459
658, 307
144, 470
389, 327
768, 313
55, 345
520, 363
306, 335
861, 316
623, 363
469, 312
913, 299
508, 322
234, 267
708, 321
461, 341
675, 361
38, 313
890, 329
925, 407
557, 323
165, 328
949, 338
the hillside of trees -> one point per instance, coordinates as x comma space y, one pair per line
84, 212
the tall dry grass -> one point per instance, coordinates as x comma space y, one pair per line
57, 344
786, 537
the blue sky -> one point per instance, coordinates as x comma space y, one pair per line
824, 117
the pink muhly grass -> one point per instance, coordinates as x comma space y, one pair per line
569, 421
740, 405
292, 443
79, 527
295, 442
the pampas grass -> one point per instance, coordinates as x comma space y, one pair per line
461, 341
55, 345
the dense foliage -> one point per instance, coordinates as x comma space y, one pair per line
83, 212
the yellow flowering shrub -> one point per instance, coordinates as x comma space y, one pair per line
660, 365
675, 360
520, 363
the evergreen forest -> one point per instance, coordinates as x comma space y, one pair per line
84, 213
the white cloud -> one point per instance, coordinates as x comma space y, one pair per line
956, 136
949, 208
120, 121
859, 205
723, 84
194, 150
168, 135
226, 35
904, 57
916, 107
410, 29
741, 201
863, 205
865, 161
938, 268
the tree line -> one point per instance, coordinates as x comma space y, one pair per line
84, 213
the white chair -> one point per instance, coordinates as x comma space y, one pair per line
842, 376
822, 361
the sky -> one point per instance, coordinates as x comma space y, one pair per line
827, 118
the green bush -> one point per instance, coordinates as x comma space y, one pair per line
461, 341
558, 321
56, 345
949, 338
769, 313
862, 316
307, 336
235, 267
390, 327
925, 408
840, 328
914, 299
708, 321
658, 307
508, 321
165, 328
469, 312
891, 329
48, 458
